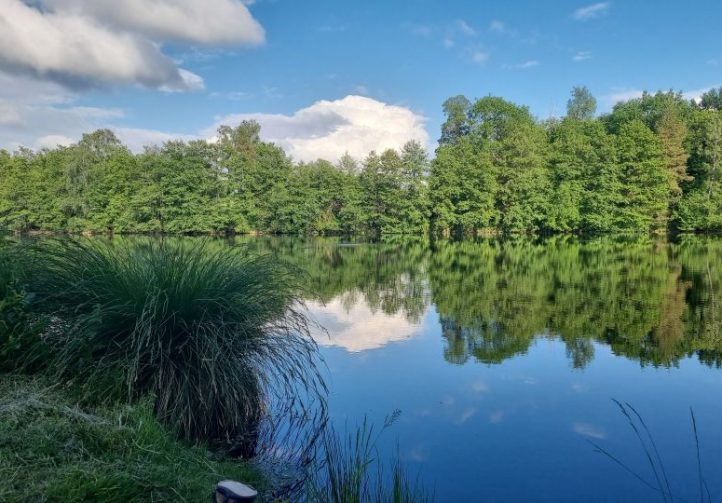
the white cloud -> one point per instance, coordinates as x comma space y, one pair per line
591, 11
53, 141
523, 66
588, 430
357, 328
479, 56
626, 94
328, 129
465, 28
479, 386
497, 26
623, 95
42, 114
696, 94
448, 43
79, 51
496, 417
209, 22
136, 139
582, 56
10, 115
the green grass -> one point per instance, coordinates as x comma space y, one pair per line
53, 450
216, 335
21, 345
349, 470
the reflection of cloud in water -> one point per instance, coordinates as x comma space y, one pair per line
447, 400
496, 417
418, 453
580, 388
356, 328
466, 415
479, 386
588, 430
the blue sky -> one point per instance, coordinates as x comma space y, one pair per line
272, 58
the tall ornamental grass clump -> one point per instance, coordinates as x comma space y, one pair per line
214, 334
21, 345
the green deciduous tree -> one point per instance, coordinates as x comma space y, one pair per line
582, 105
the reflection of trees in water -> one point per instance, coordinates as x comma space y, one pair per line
389, 277
486, 342
652, 302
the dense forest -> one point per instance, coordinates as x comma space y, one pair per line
653, 164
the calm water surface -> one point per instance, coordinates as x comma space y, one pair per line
504, 357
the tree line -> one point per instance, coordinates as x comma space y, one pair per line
653, 164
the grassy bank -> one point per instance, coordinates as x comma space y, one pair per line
53, 450
144, 371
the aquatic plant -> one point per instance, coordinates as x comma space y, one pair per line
216, 335
349, 470
648, 445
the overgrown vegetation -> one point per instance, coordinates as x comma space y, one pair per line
653, 164
21, 347
146, 342
53, 450
214, 335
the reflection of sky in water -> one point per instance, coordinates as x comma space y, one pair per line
356, 327
519, 430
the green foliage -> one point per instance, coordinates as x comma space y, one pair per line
214, 335
53, 450
21, 344
584, 176
497, 169
462, 188
582, 105
653, 302
393, 194
645, 182
495, 176
649, 109
456, 110
701, 205
711, 100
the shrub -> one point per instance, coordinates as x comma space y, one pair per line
21, 346
215, 335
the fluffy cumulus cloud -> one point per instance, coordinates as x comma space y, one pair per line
209, 22
40, 114
328, 129
93, 43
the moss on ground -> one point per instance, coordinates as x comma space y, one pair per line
53, 450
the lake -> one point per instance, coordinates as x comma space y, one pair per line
504, 357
